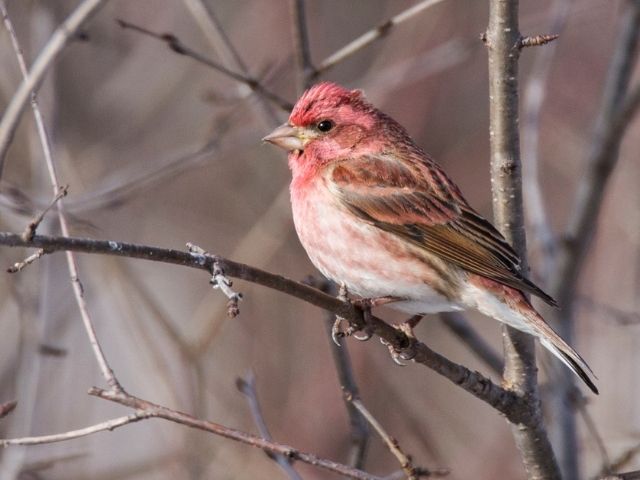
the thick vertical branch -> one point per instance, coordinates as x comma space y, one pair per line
301, 43
503, 41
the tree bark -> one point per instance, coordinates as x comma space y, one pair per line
504, 42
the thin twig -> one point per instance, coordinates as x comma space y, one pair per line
589, 422
82, 432
305, 68
7, 407
618, 315
165, 413
30, 231
19, 266
635, 475
247, 386
136, 183
502, 39
615, 116
78, 290
180, 48
411, 472
63, 34
219, 280
460, 327
371, 36
623, 459
360, 434
206, 18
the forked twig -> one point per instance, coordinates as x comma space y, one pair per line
176, 45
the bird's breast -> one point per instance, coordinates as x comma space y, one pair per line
367, 260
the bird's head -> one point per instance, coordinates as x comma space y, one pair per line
327, 123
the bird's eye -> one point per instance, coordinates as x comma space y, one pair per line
325, 125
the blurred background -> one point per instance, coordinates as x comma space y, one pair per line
160, 150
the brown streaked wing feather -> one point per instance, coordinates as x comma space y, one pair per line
398, 198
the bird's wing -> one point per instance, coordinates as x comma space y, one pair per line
420, 204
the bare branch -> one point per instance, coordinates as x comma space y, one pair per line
82, 432
219, 280
185, 419
503, 41
301, 43
63, 34
7, 407
207, 20
30, 231
247, 386
615, 115
505, 401
371, 36
180, 48
411, 472
19, 266
360, 434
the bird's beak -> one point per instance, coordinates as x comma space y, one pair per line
287, 137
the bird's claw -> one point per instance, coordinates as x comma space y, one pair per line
408, 353
337, 333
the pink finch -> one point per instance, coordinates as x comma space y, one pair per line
379, 216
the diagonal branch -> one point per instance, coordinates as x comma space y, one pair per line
503, 400
176, 45
60, 38
371, 36
247, 386
158, 411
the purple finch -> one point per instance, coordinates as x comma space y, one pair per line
379, 216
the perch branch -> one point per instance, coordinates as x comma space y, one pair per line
505, 401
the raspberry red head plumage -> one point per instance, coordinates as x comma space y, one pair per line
330, 100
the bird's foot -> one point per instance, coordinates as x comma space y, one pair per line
400, 356
358, 331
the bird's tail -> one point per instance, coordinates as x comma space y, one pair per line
561, 349
491, 299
